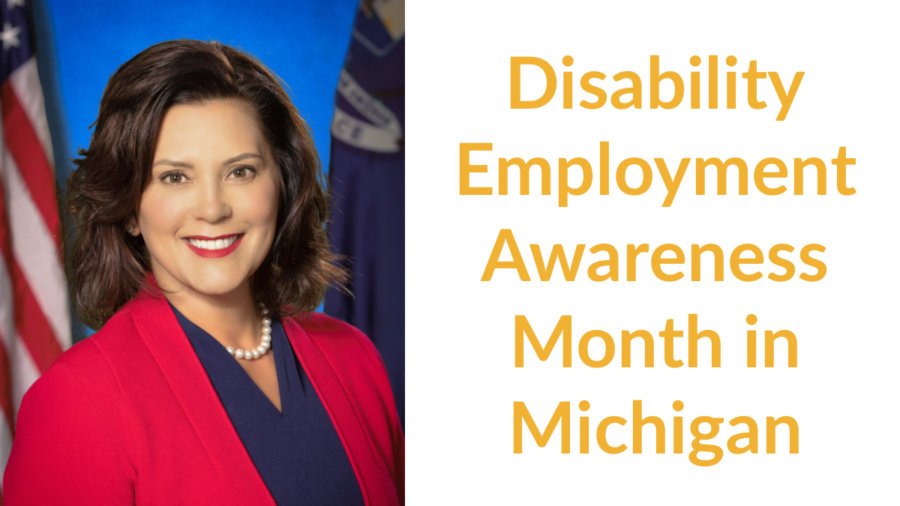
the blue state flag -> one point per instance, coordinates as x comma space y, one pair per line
367, 180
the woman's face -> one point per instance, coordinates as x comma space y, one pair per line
208, 214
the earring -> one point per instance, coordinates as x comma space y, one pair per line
132, 228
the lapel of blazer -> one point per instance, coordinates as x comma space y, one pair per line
170, 347
341, 408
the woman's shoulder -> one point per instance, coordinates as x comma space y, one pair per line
94, 349
336, 346
324, 325
329, 344
95, 360
336, 337
66, 432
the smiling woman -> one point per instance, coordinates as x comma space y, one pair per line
200, 253
213, 193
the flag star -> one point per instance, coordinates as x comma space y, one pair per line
10, 36
13, 3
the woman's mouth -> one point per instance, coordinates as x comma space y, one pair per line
214, 248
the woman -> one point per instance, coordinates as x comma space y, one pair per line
200, 250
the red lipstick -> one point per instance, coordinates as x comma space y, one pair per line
216, 253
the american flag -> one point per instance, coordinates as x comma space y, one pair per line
34, 311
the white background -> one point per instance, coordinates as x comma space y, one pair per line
461, 382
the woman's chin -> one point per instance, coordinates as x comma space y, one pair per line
218, 289
213, 284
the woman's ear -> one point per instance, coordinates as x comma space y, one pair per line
132, 227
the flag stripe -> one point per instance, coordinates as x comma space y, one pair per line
24, 82
32, 324
23, 371
6, 403
7, 327
26, 150
35, 252
30, 320
5, 446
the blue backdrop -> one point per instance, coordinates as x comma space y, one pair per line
81, 44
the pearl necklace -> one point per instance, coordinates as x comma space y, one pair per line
263, 347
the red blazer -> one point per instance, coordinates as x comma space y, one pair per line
129, 416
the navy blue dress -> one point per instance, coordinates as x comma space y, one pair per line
296, 450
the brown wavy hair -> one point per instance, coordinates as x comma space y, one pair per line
106, 265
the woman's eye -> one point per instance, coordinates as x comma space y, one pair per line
244, 172
172, 178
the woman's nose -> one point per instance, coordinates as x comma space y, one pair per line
212, 203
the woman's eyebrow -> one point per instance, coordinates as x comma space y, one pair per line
173, 164
242, 156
